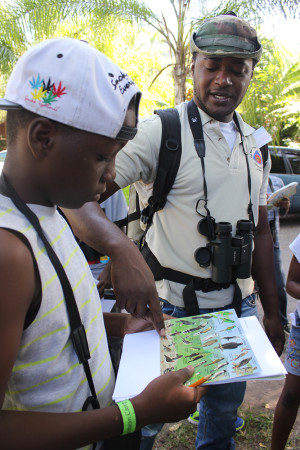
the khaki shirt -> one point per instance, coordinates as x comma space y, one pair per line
173, 237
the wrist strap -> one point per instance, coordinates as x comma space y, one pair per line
128, 416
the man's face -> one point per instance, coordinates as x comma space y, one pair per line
220, 84
81, 165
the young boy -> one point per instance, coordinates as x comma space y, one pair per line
289, 401
70, 110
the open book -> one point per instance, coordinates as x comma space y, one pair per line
227, 348
285, 191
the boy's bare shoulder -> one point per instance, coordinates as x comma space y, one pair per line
17, 276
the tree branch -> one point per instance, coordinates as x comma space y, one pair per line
156, 76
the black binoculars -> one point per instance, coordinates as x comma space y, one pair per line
231, 257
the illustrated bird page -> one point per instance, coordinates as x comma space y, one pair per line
215, 344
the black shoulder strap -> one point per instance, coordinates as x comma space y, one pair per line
135, 215
168, 164
265, 154
169, 155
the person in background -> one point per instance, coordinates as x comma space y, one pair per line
65, 124
289, 401
280, 210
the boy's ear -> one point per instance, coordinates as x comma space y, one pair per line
41, 134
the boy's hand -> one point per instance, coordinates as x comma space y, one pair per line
165, 399
135, 324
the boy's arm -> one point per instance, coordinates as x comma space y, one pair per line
17, 284
132, 279
165, 399
293, 279
264, 273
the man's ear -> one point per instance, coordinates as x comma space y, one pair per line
253, 67
194, 57
41, 134
193, 66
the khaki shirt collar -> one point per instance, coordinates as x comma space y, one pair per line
246, 129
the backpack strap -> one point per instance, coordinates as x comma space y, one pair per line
168, 164
169, 155
135, 215
265, 154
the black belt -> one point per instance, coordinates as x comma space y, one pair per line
192, 284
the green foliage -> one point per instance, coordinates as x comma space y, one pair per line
133, 49
106, 24
273, 98
114, 27
136, 51
126, 194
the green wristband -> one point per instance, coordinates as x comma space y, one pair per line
128, 416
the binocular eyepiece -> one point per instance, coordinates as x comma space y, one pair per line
231, 257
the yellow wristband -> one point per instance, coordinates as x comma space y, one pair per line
128, 416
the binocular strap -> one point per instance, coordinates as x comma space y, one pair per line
190, 298
192, 283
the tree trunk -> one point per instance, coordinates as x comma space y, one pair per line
179, 74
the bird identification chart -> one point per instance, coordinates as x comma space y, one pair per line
215, 344
226, 349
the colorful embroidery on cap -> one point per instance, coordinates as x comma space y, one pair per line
46, 93
257, 157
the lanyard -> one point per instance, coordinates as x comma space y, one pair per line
197, 131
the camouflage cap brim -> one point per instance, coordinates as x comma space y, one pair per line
220, 52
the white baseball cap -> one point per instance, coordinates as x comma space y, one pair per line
71, 82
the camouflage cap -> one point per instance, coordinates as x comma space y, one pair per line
226, 35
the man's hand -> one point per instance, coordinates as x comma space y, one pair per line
134, 286
167, 399
132, 280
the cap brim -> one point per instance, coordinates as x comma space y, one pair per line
255, 55
6, 104
126, 133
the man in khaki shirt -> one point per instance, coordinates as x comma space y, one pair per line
225, 50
